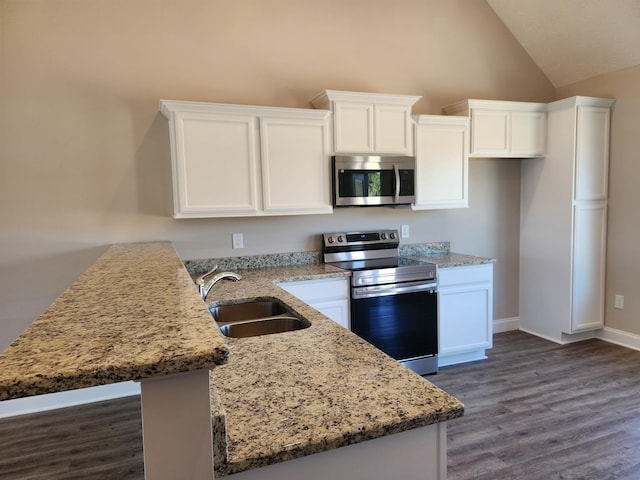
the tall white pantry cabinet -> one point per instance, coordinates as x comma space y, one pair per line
563, 223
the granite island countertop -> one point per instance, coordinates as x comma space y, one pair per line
293, 394
279, 397
134, 314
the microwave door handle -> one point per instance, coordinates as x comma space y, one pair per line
397, 173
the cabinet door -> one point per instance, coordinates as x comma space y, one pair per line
465, 313
392, 130
214, 165
464, 323
490, 132
353, 127
588, 269
528, 134
508, 133
336, 310
442, 161
592, 153
296, 169
329, 296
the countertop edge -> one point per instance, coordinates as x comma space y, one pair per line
68, 346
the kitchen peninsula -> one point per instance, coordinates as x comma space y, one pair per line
136, 314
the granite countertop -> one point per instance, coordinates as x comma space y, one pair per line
450, 259
440, 254
293, 394
134, 314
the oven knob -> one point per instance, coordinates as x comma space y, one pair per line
330, 239
392, 235
383, 236
340, 239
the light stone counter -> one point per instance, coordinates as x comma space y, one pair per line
448, 260
134, 314
298, 393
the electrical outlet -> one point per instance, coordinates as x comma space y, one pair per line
237, 240
619, 302
405, 231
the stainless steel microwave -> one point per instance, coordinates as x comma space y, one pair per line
363, 180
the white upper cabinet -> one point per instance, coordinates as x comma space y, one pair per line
442, 162
369, 122
237, 160
501, 129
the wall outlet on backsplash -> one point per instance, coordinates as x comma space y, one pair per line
404, 231
237, 240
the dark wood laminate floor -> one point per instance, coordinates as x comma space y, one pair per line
538, 410
534, 410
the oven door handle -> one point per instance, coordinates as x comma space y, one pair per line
392, 289
397, 173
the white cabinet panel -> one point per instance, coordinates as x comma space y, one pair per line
392, 132
329, 296
490, 132
465, 318
353, 127
221, 169
369, 122
336, 310
465, 313
563, 224
528, 134
589, 234
592, 153
442, 162
295, 168
201, 184
503, 129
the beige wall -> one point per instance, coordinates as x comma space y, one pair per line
85, 154
623, 232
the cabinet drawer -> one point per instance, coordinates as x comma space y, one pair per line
465, 274
313, 290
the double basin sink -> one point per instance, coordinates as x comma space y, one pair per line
255, 318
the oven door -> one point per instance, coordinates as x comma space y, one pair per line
401, 320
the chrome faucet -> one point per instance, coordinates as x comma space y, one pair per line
201, 280
205, 286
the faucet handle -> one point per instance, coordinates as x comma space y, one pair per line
201, 278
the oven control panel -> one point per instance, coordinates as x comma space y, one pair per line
361, 238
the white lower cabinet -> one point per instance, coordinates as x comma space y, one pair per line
239, 160
330, 296
465, 313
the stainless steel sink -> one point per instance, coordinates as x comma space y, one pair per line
238, 312
254, 318
263, 326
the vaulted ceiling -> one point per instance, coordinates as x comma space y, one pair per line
573, 40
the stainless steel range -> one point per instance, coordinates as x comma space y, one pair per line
393, 299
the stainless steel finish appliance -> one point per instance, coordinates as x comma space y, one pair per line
373, 180
393, 299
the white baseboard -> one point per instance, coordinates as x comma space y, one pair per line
619, 337
506, 324
52, 401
